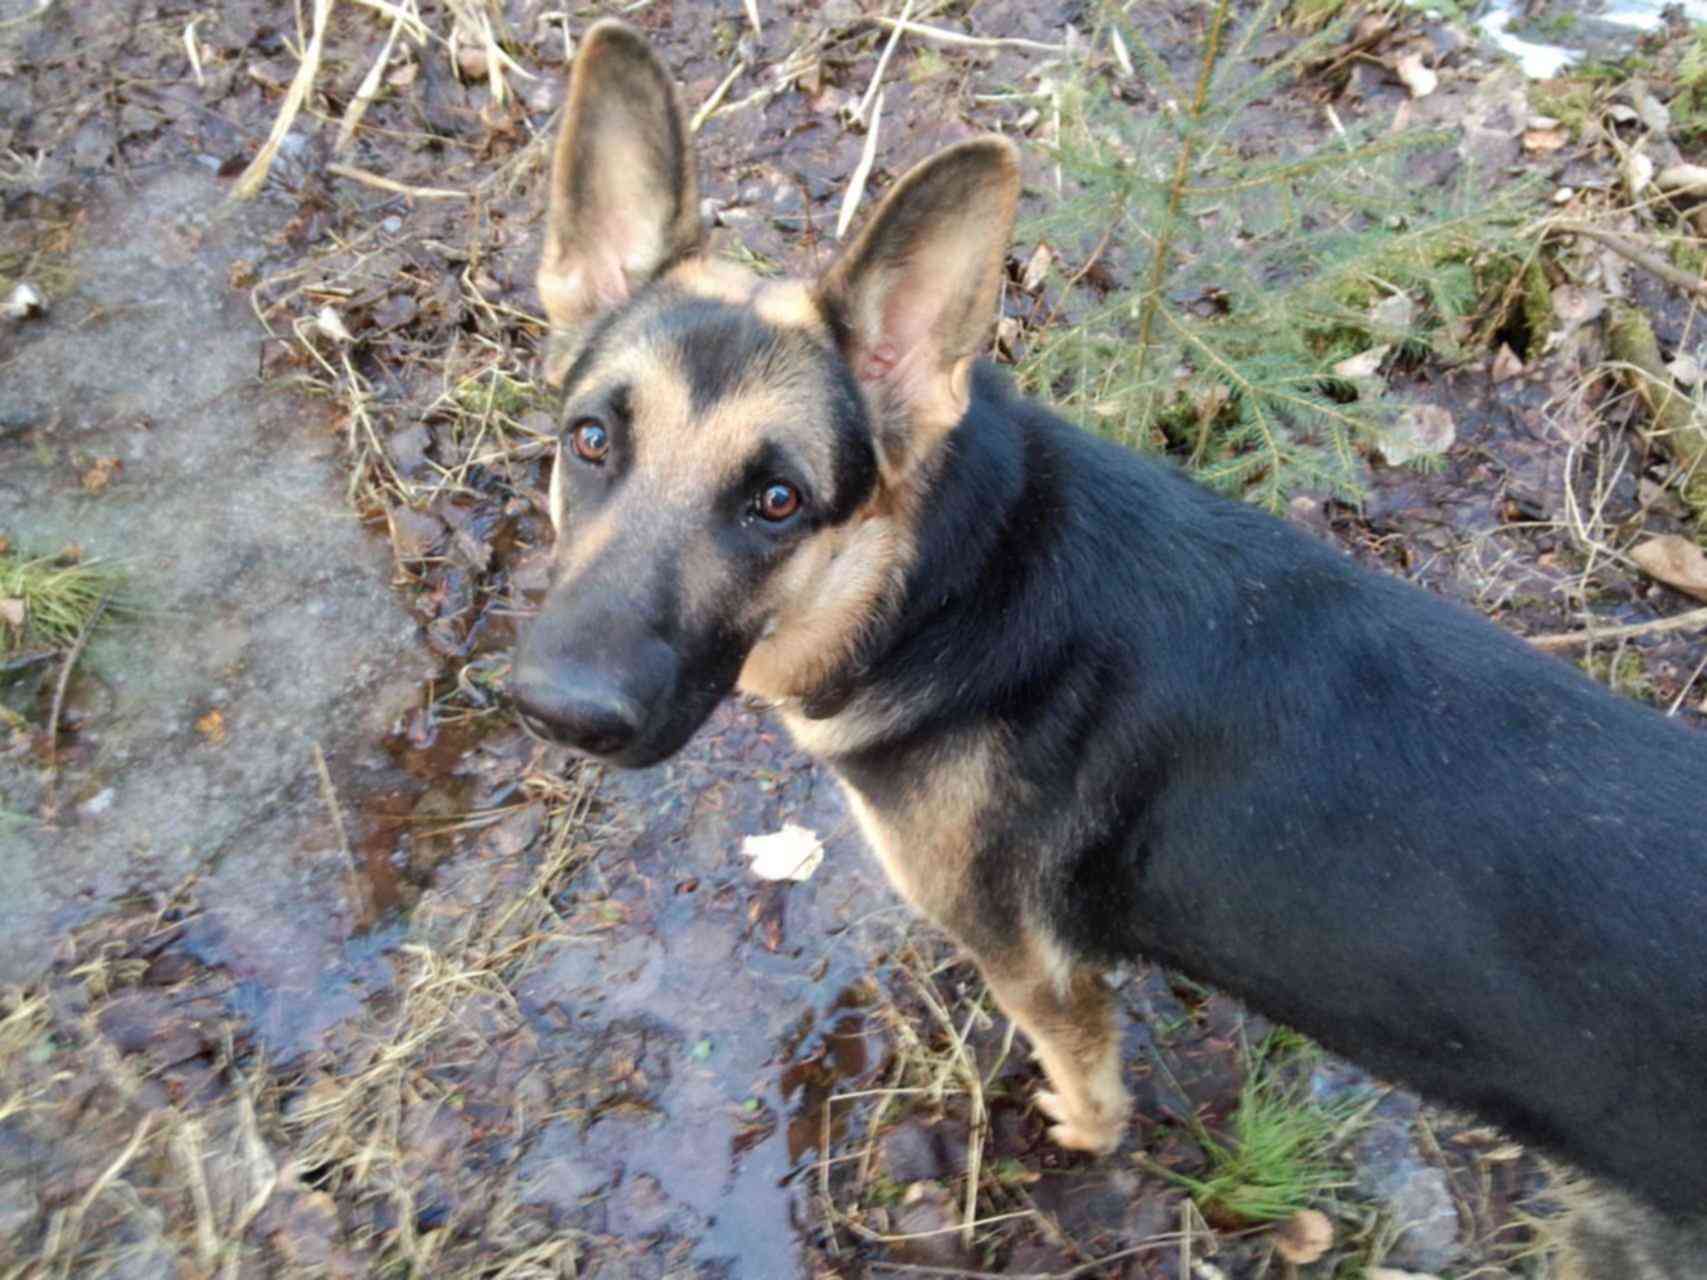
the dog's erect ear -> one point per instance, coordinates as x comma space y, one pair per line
913, 298
623, 201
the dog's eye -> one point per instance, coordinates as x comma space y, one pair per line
589, 440
777, 501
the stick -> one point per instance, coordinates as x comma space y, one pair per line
969, 42
1571, 639
77, 648
250, 182
862, 171
1641, 257
871, 89
388, 184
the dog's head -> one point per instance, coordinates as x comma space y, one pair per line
738, 460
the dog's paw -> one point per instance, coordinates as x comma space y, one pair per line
1078, 1132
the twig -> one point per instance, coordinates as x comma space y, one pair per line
388, 184
1080, 274
871, 90
330, 795
252, 178
1641, 257
368, 91
709, 107
969, 42
1687, 686
1571, 639
77, 647
862, 171
40, 9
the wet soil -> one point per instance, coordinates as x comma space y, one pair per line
313, 962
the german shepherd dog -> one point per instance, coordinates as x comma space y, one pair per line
1086, 711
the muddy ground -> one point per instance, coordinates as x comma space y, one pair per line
315, 964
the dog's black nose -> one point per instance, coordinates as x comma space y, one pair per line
587, 714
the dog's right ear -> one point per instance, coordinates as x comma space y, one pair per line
623, 202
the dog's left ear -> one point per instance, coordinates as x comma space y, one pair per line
913, 298
623, 201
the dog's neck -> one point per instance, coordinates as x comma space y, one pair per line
970, 499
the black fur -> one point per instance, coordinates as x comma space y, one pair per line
1362, 809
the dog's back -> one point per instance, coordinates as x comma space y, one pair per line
1363, 810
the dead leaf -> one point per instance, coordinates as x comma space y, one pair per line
1037, 268
1507, 364
100, 474
1304, 1237
793, 853
13, 611
1638, 171
1363, 365
1686, 369
212, 727
1393, 1273
1395, 312
1676, 561
414, 534
1416, 77
330, 323
1543, 141
1419, 431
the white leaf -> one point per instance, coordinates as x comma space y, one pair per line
793, 853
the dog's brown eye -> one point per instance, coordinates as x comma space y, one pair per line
778, 501
589, 440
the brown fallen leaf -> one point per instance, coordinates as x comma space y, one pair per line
1543, 141
1304, 1237
1393, 1273
1507, 364
13, 611
212, 727
100, 474
1675, 561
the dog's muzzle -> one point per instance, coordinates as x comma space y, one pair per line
589, 715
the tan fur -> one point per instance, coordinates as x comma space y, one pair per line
622, 151
1069, 1016
926, 842
926, 846
717, 278
834, 589
1607, 1235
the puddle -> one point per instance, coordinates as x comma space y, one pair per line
725, 1004
1566, 34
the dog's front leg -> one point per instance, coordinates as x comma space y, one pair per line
1068, 1012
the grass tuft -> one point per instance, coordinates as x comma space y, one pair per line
1280, 1150
46, 602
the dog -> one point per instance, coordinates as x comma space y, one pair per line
1086, 711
